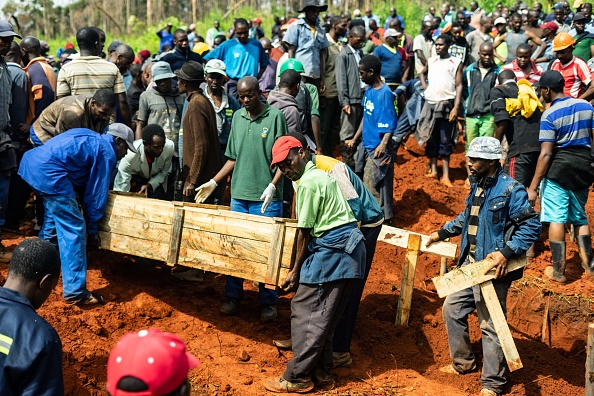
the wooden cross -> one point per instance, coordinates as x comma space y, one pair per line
414, 243
473, 274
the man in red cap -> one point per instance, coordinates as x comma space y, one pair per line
150, 363
330, 256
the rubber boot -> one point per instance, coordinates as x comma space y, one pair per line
557, 271
585, 249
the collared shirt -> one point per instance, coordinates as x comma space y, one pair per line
250, 145
308, 43
229, 105
64, 114
577, 76
241, 59
86, 74
329, 56
30, 349
534, 75
567, 123
319, 203
76, 158
155, 171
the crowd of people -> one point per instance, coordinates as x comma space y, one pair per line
276, 112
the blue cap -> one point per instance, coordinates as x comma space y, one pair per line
6, 29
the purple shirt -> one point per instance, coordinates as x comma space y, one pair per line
268, 79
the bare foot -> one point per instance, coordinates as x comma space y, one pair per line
431, 175
446, 182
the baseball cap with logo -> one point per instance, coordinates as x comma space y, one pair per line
6, 29
485, 147
161, 70
215, 66
123, 132
157, 358
281, 149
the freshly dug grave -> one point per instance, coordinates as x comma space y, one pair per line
237, 352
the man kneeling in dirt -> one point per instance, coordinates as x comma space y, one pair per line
497, 223
330, 256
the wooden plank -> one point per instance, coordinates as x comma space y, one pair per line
590, 362
141, 209
145, 229
501, 328
134, 246
226, 265
275, 255
225, 245
240, 228
399, 237
176, 235
545, 335
470, 275
408, 279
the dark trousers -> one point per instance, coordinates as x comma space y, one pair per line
522, 167
315, 312
138, 181
440, 142
344, 330
330, 124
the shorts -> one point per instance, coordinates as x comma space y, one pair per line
558, 205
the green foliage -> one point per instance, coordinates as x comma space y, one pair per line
144, 37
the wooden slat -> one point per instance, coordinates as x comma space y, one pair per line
398, 237
501, 328
241, 228
408, 279
134, 246
275, 255
225, 245
226, 265
176, 235
470, 275
145, 229
590, 361
157, 213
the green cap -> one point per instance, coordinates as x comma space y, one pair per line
292, 64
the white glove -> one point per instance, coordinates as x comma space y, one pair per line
267, 196
204, 191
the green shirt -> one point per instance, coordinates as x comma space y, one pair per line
320, 204
250, 145
582, 49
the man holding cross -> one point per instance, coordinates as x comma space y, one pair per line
497, 223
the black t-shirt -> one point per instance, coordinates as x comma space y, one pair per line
523, 134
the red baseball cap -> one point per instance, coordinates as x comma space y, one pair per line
157, 358
551, 25
281, 149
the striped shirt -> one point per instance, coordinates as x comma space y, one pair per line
86, 74
577, 76
567, 123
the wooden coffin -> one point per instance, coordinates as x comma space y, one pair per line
207, 237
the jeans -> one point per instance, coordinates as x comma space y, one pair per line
64, 226
234, 285
4, 187
456, 308
344, 330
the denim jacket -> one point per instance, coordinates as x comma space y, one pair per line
506, 211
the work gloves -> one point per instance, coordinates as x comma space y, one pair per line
267, 196
204, 191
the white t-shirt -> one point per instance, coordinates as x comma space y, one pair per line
442, 79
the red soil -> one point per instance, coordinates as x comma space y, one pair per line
387, 359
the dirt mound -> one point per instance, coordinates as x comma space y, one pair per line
237, 352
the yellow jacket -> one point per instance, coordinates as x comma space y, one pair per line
526, 103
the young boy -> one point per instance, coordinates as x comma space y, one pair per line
376, 153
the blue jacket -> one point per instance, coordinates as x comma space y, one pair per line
30, 350
506, 210
78, 159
